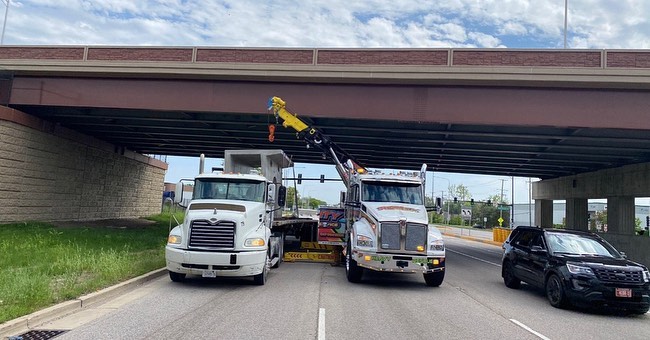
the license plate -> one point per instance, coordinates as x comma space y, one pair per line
209, 273
624, 292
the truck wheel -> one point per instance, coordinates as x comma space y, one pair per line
434, 279
352, 271
280, 251
176, 277
260, 279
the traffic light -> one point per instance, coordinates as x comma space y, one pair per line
299, 178
647, 221
438, 202
322, 178
489, 202
471, 202
455, 200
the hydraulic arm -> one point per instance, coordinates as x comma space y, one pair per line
314, 137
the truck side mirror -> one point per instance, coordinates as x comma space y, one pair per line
178, 194
270, 193
282, 195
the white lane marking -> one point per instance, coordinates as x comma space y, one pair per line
478, 246
474, 257
539, 335
321, 324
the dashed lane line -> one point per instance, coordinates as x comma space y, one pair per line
538, 334
321, 324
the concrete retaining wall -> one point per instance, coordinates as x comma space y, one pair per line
49, 173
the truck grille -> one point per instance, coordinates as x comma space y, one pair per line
204, 234
391, 239
618, 275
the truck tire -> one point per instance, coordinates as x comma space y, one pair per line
281, 249
352, 271
176, 277
260, 279
434, 279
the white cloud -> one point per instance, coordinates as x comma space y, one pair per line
484, 40
327, 23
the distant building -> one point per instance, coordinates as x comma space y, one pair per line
525, 214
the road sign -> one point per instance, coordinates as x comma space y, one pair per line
503, 207
500, 220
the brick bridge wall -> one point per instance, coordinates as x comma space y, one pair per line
52, 173
338, 56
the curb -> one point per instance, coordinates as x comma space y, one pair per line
27, 322
476, 239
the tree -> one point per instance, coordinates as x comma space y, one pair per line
314, 203
291, 192
460, 192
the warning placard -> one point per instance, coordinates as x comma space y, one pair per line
311, 256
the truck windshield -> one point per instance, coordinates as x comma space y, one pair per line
229, 189
378, 191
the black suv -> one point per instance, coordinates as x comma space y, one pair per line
575, 267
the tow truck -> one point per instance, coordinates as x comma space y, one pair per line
386, 220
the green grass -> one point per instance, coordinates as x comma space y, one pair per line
42, 265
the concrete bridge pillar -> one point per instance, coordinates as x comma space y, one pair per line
620, 215
544, 213
577, 214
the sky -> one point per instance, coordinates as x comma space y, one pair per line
523, 24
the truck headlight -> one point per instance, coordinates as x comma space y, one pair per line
646, 275
438, 245
174, 239
364, 241
254, 242
574, 269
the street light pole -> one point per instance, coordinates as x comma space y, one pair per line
566, 6
530, 196
4, 24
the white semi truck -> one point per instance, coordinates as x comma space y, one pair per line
387, 224
233, 224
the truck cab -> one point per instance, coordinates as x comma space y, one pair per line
227, 226
390, 230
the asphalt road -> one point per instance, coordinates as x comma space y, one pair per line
315, 301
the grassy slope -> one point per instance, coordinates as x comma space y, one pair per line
43, 265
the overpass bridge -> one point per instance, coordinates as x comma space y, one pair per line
575, 118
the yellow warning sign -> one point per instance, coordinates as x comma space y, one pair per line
311, 257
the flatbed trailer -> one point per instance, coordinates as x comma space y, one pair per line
299, 241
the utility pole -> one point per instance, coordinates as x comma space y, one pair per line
566, 6
433, 194
530, 199
501, 200
512, 210
4, 23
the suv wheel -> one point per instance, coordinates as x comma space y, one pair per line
509, 278
555, 292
